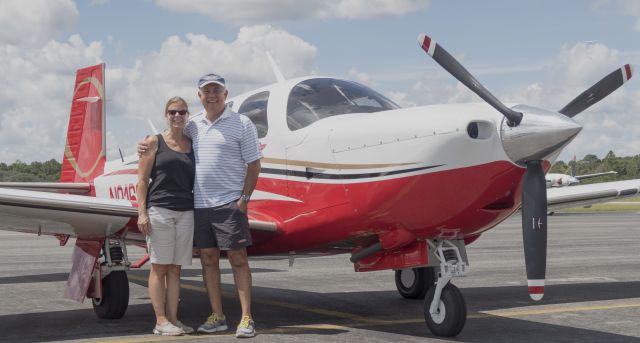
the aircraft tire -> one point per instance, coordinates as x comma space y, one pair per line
115, 300
452, 314
415, 282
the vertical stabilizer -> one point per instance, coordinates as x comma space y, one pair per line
85, 149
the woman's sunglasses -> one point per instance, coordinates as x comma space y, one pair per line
180, 112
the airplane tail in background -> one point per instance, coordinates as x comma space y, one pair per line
85, 149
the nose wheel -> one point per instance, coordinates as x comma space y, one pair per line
450, 314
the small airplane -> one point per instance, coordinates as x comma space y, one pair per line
563, 180
345, 170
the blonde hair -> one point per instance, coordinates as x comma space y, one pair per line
174, 100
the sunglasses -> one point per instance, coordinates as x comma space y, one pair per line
180, 112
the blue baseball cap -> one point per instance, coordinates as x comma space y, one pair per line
211, 78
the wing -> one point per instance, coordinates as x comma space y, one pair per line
66, 214
582, 195
55, 187
79, 216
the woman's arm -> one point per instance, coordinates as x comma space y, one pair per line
145, 165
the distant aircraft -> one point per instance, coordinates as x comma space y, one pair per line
345, 170
562, 180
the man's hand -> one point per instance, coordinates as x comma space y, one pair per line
242, 205
143, 147
143, 223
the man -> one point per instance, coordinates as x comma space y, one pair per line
227, 166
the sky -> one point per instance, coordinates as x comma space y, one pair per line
541, 53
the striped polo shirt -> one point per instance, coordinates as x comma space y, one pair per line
222, 149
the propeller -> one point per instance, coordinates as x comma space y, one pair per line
534, 227
456, 69
598, 91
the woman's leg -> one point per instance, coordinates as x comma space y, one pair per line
173, 292
158, 291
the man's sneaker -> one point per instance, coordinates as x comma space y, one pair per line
246, 328
185, 328
214, 323
167, 329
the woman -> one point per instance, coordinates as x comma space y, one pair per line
165, 214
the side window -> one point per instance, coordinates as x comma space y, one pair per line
255, 107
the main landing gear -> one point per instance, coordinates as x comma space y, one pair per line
414, 283
445, 310
111, 294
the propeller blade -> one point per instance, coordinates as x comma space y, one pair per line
598, 91
450, 64
534, 227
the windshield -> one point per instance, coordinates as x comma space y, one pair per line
315, 99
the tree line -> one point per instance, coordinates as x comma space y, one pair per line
19, 171
627, 168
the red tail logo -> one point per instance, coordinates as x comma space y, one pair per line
85, 150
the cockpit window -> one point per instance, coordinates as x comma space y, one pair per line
315, 99
255, 107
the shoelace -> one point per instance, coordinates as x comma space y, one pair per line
213, 318
244, 323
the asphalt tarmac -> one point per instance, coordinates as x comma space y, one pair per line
592, 293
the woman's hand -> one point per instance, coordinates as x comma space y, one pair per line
143, 223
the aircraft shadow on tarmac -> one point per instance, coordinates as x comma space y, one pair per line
300, 313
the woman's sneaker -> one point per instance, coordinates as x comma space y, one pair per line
246, 328
186, 329
213, 324
167, 329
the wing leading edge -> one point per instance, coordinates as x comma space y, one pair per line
583, 195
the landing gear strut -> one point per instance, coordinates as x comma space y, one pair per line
415, 282
445, 310
111, 297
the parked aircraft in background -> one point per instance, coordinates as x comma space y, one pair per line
562, 180
345, 170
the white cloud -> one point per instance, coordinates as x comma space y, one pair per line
37, 83
257, 11
35, 92
35, 22
139, 92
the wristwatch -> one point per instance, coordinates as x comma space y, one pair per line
245, 197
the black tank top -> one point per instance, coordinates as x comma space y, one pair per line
172, 178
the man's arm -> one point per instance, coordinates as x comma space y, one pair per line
250, 181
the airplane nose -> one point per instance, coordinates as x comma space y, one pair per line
540, 134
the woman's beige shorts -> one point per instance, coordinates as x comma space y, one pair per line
171, 238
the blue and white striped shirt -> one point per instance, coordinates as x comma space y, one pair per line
222, 149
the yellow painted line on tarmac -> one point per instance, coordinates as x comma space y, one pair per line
559, 309
360, 321
287, 305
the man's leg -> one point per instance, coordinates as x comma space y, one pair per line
242, 276
210, 259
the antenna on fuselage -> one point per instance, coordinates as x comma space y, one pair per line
153, 128
121, 157
274, 67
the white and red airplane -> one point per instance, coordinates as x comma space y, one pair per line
345, 170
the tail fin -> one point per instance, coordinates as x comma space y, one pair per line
85, 149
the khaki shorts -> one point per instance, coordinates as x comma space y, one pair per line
224, 227
171, 238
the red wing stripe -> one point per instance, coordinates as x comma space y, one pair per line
123, 172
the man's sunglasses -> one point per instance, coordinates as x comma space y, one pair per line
180, 112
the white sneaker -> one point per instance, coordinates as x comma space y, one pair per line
185, 328
167, 329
